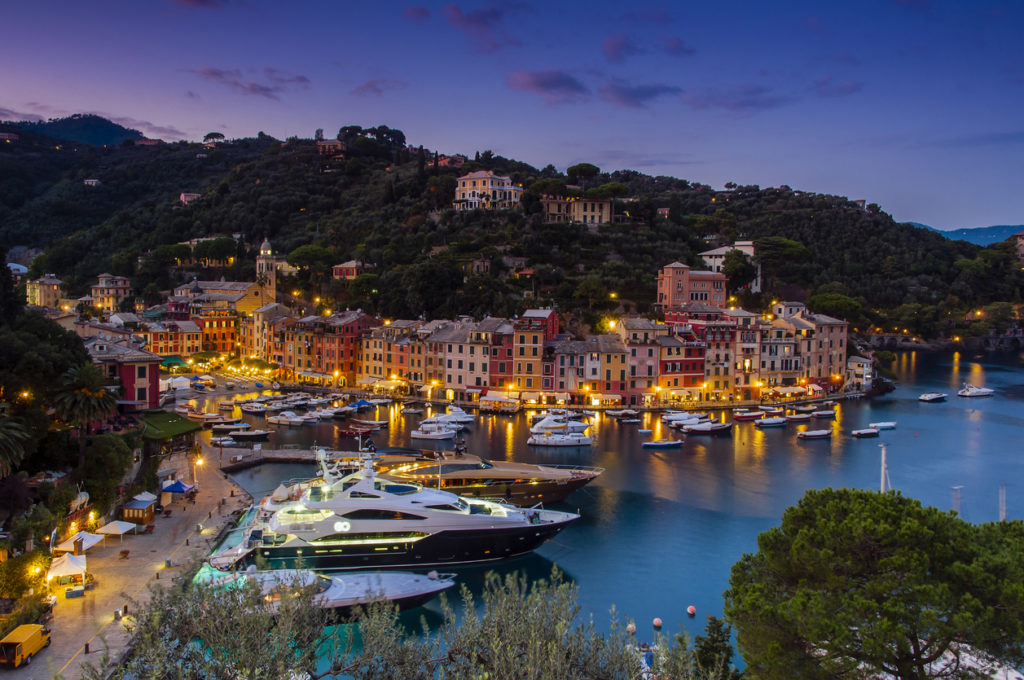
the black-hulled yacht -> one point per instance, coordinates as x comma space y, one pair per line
362, 521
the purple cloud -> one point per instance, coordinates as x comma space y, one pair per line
555, 87
144, 126
677, 48
276, 81
635, 96
201, 4
378, 86
617, 47
416, 14
11, 114
825, 87
484, 26
744, 99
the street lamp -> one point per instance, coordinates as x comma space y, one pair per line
198, 462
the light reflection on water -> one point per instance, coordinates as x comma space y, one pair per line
661, 527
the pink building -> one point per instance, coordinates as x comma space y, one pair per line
678, 285
348, 270
137, 370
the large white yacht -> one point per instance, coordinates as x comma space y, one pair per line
362, 521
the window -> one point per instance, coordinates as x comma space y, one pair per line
140, 371
140, 394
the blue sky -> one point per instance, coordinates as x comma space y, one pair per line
913, 104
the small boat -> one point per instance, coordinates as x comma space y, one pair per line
558, 424
622, 413
229, 424
226, 405
560, 439
629, 421
198, 387
932, 397
410, 411
356, 432
747, 415
260, 385
205, 418
291, 419
814, 434
804, 408
798, 417
771, 409
866, 432
275, 386
824, 414
254, 408
886, 425
433, 431
662, 443
223, 441
710, 427
249, 435
970, 390
644, 430
774, 421
370, 423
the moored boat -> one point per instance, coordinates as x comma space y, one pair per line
865, 432
826, 413
437, 431
774, 421
339, 593
361, 521
814, 434
798, 417
249, 435
223, 441
662, 444
560, 439
885, 425
932, 397
747, 415
709, 427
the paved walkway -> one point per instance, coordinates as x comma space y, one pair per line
90, 620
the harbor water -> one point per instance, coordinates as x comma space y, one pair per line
660, 528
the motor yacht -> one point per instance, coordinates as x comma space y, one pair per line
465, 474
255, 408
970, 390
439, 431
338, 593
558, 424
884, 425
560, 439
291, 419
865, 432
361, 520
814, 434
932, 397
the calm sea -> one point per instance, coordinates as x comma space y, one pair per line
660, 529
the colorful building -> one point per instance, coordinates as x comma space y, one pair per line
678, 285
483, 190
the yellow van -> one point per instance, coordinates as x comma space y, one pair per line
22, 643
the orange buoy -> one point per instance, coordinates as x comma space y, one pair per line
691, 610
657, 622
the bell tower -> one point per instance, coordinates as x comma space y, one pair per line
266, 268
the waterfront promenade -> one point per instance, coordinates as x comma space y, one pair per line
90, 621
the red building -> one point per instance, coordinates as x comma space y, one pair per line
348, 270
137, 370
324, 349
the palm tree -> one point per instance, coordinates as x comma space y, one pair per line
83, 399
12, 444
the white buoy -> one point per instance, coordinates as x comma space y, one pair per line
631, 628
657, 622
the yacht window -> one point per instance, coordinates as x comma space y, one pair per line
362, 494
372, 513
397, 489
448, 508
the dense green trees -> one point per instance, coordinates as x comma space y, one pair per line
857, 584
516, 631
82, 399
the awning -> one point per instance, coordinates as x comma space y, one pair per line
473, 390
495, 397
794, 389
172, 361
366, 381
144, 496
815, 388
177, 486
527, 396
88, 541
425, 388
606, 397
67, 565
389, 384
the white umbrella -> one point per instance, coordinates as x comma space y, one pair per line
145, 496
117, 528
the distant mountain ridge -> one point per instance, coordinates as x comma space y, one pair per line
982, 236
86, 128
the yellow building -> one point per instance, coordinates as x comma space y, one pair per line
483, 190
44, 292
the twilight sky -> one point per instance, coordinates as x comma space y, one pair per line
917, 105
